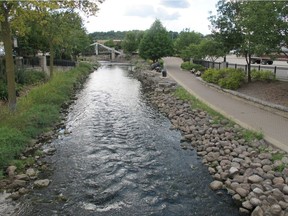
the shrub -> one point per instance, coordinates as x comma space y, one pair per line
233, 79
190, 66
262, 75
30, 77
4, 90
226, 78
213, 75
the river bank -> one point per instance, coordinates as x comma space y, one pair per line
253, 172
38, 119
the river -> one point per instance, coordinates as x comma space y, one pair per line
121, 158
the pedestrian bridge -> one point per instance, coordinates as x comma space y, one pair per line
110, 50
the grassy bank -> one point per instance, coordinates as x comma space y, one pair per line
36, 113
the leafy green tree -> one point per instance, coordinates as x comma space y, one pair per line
13, 14
192, 51
131, 41
109, 43
185, 38
156, 43
211, 49
248, 26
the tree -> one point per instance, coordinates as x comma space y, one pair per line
248, 26
211, 49
156, 42
131, 41
186, 38
14, 13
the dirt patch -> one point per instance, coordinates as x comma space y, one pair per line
273, 92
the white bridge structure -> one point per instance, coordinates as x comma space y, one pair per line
111, 50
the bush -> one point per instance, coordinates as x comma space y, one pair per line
226, 78
30, 77
189, 66
4, 90
213, 75
262, 75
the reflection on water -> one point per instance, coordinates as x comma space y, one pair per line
122, 159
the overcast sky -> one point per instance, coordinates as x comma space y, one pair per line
175, 15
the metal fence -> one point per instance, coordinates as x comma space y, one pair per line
281, 73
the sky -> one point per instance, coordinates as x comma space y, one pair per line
175, 15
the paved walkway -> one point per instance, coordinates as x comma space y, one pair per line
273, 126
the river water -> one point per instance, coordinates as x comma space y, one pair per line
121, 158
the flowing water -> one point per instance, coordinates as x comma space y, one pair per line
121, 159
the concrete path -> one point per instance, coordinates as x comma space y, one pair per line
273, 126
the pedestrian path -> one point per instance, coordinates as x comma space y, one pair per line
273, 126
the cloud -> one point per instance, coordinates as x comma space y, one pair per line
145, 11
140, 11
163, 14
175, 3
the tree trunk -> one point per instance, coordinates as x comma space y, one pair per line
249, 68
248, 61
51, 64
6, 36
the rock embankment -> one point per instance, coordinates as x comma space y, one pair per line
254, 173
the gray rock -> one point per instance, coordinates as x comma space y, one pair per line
30, 172
263, 156
247, 205
244, 211
275, 209
239, 179
233, 171
277, 194
284, 205
278, 180
22, 177
257, 212
255, 201
255, 179
11, 171
216, 185
285, 189
41, 183
23, 191
18, 183
242, 192
267, 168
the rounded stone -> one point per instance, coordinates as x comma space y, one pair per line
257, 211
255, 201
216, 185
255, 179
275, 209
242, 192
247, 205
278, 180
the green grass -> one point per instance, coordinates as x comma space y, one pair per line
36, 113
249, 135
277, 156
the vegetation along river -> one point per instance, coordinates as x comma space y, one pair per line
121, 158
